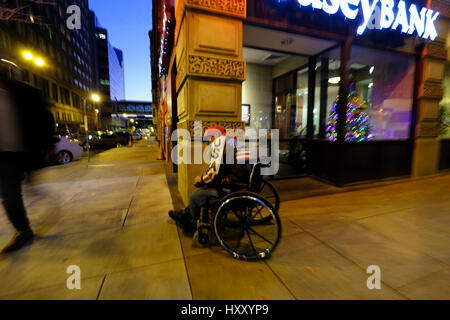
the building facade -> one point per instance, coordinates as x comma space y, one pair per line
355, 91
134, 115
111, 79
110, 76
50, 56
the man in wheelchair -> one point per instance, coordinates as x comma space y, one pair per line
210, 182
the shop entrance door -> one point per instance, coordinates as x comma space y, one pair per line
282, 85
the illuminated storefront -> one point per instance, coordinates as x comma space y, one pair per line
287, 62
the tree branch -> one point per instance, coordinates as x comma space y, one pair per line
17, 14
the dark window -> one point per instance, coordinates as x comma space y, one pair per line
65, 96
43, 85
46, 87
76, 100
55, 92
26, 76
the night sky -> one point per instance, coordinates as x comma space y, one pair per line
128, 23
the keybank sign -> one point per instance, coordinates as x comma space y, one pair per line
382, 14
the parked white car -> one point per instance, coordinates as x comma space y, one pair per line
67, 150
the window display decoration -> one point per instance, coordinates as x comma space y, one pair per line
167, 39
357, 127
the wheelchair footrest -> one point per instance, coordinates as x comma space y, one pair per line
202, 238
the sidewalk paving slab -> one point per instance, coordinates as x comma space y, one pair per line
110, 218
161, 281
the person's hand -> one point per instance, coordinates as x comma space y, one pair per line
197, 181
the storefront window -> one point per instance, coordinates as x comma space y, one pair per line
445, 105
257, 93
326, 91
285, 105
301, 116
380, 94
383, 88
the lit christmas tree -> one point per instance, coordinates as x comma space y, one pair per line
357, 123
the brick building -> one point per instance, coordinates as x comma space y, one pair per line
65, 72
269, 64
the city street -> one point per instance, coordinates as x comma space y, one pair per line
109, 218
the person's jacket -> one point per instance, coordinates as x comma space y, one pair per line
219, 167
213, 176
36, 123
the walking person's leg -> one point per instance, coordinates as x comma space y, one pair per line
11, 192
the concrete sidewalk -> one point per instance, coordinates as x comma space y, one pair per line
329, 242
110, 218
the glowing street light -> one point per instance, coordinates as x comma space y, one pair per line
39, 62
28, 55
96, 97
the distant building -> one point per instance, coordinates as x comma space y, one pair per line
133, 113
48, 55
110, 73
111, 78
134, 107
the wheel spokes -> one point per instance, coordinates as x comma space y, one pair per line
259, 235
243, 228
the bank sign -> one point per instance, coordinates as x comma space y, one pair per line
382, 14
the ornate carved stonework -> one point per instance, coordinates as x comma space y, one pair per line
210, 67
230, 125
216, 67
236, 8
432, 91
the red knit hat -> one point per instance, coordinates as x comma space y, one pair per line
214, 130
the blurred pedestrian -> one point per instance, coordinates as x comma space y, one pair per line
26, 136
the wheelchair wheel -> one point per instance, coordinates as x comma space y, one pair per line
239, 234
268, 191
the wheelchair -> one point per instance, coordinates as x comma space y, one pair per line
241, 221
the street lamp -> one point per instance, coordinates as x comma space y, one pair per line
95, 97
39, 62
28, 55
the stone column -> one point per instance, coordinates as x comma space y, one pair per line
210, 71
429, 93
